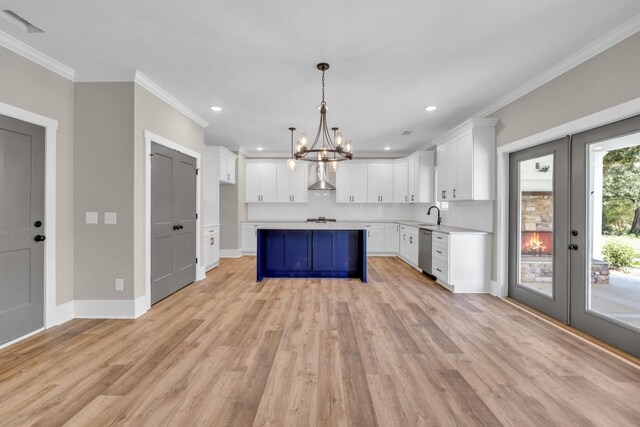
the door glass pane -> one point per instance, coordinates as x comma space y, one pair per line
536, 225
613, 290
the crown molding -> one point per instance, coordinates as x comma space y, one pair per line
467, 124
610, 39
155, 89
26, 51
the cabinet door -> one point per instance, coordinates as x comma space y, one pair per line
249, 238
253, 182
413, 248
401, 182
386, 183
215, 247
392, 238
375, 239
358, 183
463, 187
231, 169
373, 183
223, 165
269, 182
411, 180
284, 183
299, 191
442, 171
343, 184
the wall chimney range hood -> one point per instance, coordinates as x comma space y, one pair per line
322, 183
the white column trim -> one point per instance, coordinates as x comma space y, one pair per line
200, 268
601, 118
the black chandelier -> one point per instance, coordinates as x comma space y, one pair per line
325, 148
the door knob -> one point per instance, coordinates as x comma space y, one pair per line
573, 247
40, 238
180, 227
175, 227
37, 224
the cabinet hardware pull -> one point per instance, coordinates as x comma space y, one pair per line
439, 270
439, 252
454, 193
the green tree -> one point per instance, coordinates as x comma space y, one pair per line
621, 181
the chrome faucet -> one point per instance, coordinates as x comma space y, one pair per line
439, 217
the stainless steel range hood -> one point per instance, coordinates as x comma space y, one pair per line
322, 183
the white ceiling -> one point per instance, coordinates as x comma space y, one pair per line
257, 58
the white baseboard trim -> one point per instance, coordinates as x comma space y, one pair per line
110, 309
231, 253
495, 289
63, 313
24, 337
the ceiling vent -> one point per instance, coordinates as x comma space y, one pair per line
20, 22
407, 132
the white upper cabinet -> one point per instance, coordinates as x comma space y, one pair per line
351, 183
292, 185
227, 168
413, 178
261, 182
401, 182
466, 162
380, 183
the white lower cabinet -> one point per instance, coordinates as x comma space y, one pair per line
392, 238
211, 247
249, 237
409, 244
462, 262
375, 238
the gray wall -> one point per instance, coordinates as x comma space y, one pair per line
154, 115
31, 87
103, 166
608, 79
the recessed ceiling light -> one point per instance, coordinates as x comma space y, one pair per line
259, 148
216, 109
431, 108
387, 148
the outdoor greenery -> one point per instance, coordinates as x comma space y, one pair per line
619, 254
621, 187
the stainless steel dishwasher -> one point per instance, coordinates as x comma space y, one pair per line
424, 254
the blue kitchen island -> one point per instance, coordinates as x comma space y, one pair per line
312, 250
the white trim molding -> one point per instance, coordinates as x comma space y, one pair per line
109, 309
231, 253
33, 55
155, 89
610, 115
150, 137
610, 39
50, 144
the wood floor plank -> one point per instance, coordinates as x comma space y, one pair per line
398, 351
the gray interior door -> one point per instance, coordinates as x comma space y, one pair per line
605, 182
538, 228
21, 228
173, 221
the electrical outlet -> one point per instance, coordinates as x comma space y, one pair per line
119, 284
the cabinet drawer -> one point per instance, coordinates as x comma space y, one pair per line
441, 270
441, 238
440, 254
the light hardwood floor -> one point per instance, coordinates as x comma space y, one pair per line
398, 351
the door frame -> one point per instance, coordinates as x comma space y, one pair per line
51, 315
150, 137
601, 118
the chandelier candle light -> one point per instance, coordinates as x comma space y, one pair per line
324, 149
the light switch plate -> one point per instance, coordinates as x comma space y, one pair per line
91, 217
110, 218
119, 284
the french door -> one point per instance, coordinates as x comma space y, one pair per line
605, 183
574, 245
539, 221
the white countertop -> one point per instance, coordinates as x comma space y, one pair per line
352, 224
303, 225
